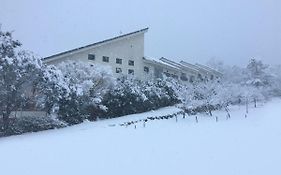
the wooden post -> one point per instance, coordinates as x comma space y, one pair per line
176, 118
247, 107
183, 115
217, 119
196, 118
227, 111
135, 126
144, 124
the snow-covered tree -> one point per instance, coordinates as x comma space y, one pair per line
86, 85
52, 88
274, 73
19, 72
256, 71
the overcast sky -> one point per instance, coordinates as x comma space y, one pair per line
192, 30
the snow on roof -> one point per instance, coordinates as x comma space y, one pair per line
181, 66
158, 61
208, 68
190, 66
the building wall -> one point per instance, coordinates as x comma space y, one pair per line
128, 48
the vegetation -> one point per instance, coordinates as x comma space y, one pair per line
72, 92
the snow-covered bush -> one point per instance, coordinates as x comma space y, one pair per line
254, 83
26, 124
274, 81
201, 97
133, 96
52, 88
85, 85
159, 94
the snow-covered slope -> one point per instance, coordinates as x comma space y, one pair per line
242, 146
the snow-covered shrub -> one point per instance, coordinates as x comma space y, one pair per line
52, 88
207, 96
26, 124
256, 82
158, 94
124, 98
204, 96
80, 87
133, 96
274, 80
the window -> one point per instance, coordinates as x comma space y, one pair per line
167, 74
131, 71
118, 70
200, 77
191, 79
105, 59
91, 57
118, 61
146, 69
183, 77
175, 76
131, 63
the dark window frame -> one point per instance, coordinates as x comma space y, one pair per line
131, 71
146, 69
105, 59
118, 70
118, 61
91, 57
131, 62
183, 77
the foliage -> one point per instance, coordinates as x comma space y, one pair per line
133, 96
87, 85
33, 124
19, 70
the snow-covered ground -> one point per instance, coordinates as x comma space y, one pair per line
242, 146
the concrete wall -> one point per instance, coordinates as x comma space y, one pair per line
127, 48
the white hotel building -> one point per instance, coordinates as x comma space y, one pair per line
125, 55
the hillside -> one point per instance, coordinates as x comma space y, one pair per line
239, 145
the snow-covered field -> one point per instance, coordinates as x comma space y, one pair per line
242, 146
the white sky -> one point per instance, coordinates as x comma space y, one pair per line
231, 30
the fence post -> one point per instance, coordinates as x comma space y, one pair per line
217, 119
247, 106
176, 118
196, 118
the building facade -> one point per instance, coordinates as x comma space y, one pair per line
125, 56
